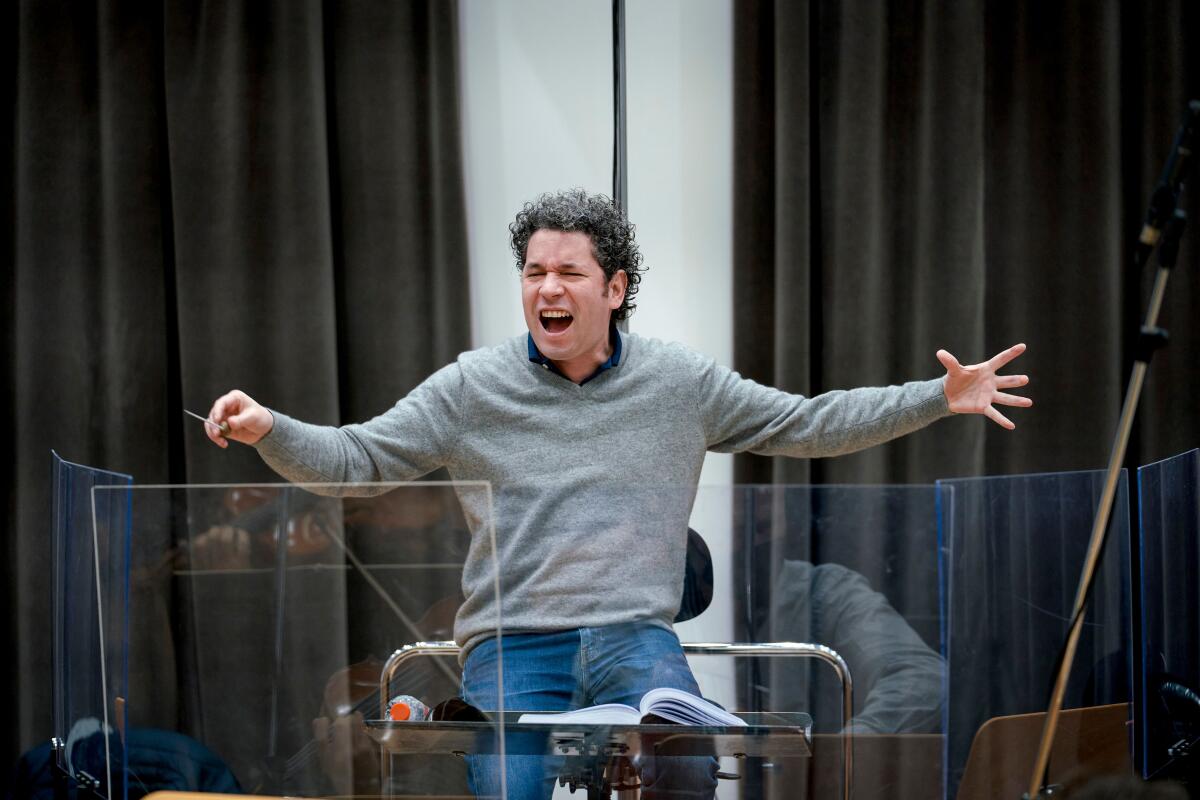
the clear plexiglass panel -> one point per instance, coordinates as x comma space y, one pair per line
1015, 548
1169, 504
90, 597
848, 569
261, 619
863, 634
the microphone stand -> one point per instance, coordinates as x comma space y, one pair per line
1164, 229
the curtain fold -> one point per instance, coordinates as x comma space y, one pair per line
209, 195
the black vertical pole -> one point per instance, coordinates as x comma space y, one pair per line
620, 167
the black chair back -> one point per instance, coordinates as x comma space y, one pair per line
697, 579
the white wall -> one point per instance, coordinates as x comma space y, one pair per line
537, 112
537, 116
680, 65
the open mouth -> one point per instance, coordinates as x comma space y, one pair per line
555, 321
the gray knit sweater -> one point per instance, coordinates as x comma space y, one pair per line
592, 485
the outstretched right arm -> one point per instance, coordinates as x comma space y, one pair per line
411, 439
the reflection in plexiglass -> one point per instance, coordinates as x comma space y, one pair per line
260, 618
1015, 548
864, 634
1169, 504
855, 569
90, 599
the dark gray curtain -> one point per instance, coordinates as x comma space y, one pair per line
208, 195
964, 175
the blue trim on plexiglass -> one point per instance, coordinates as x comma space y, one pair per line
1141, 540
943, 626
123, 687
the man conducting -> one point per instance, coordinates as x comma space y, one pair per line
593, 441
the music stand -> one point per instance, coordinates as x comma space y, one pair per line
1090, 741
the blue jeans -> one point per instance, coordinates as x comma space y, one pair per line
572, 669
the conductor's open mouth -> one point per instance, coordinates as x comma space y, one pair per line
556, 321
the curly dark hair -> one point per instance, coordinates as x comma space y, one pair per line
613, 242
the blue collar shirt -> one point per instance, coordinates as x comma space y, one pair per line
614, 338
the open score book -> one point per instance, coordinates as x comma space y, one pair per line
658, 705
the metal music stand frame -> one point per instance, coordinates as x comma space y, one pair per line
761, 650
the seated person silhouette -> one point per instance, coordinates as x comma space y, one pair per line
898, 678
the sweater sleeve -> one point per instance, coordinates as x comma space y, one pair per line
740, 415
413, 438
899, 673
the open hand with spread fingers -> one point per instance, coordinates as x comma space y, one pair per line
977, 389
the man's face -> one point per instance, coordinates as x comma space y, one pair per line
567, 300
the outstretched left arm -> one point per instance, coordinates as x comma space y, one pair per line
976, 388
